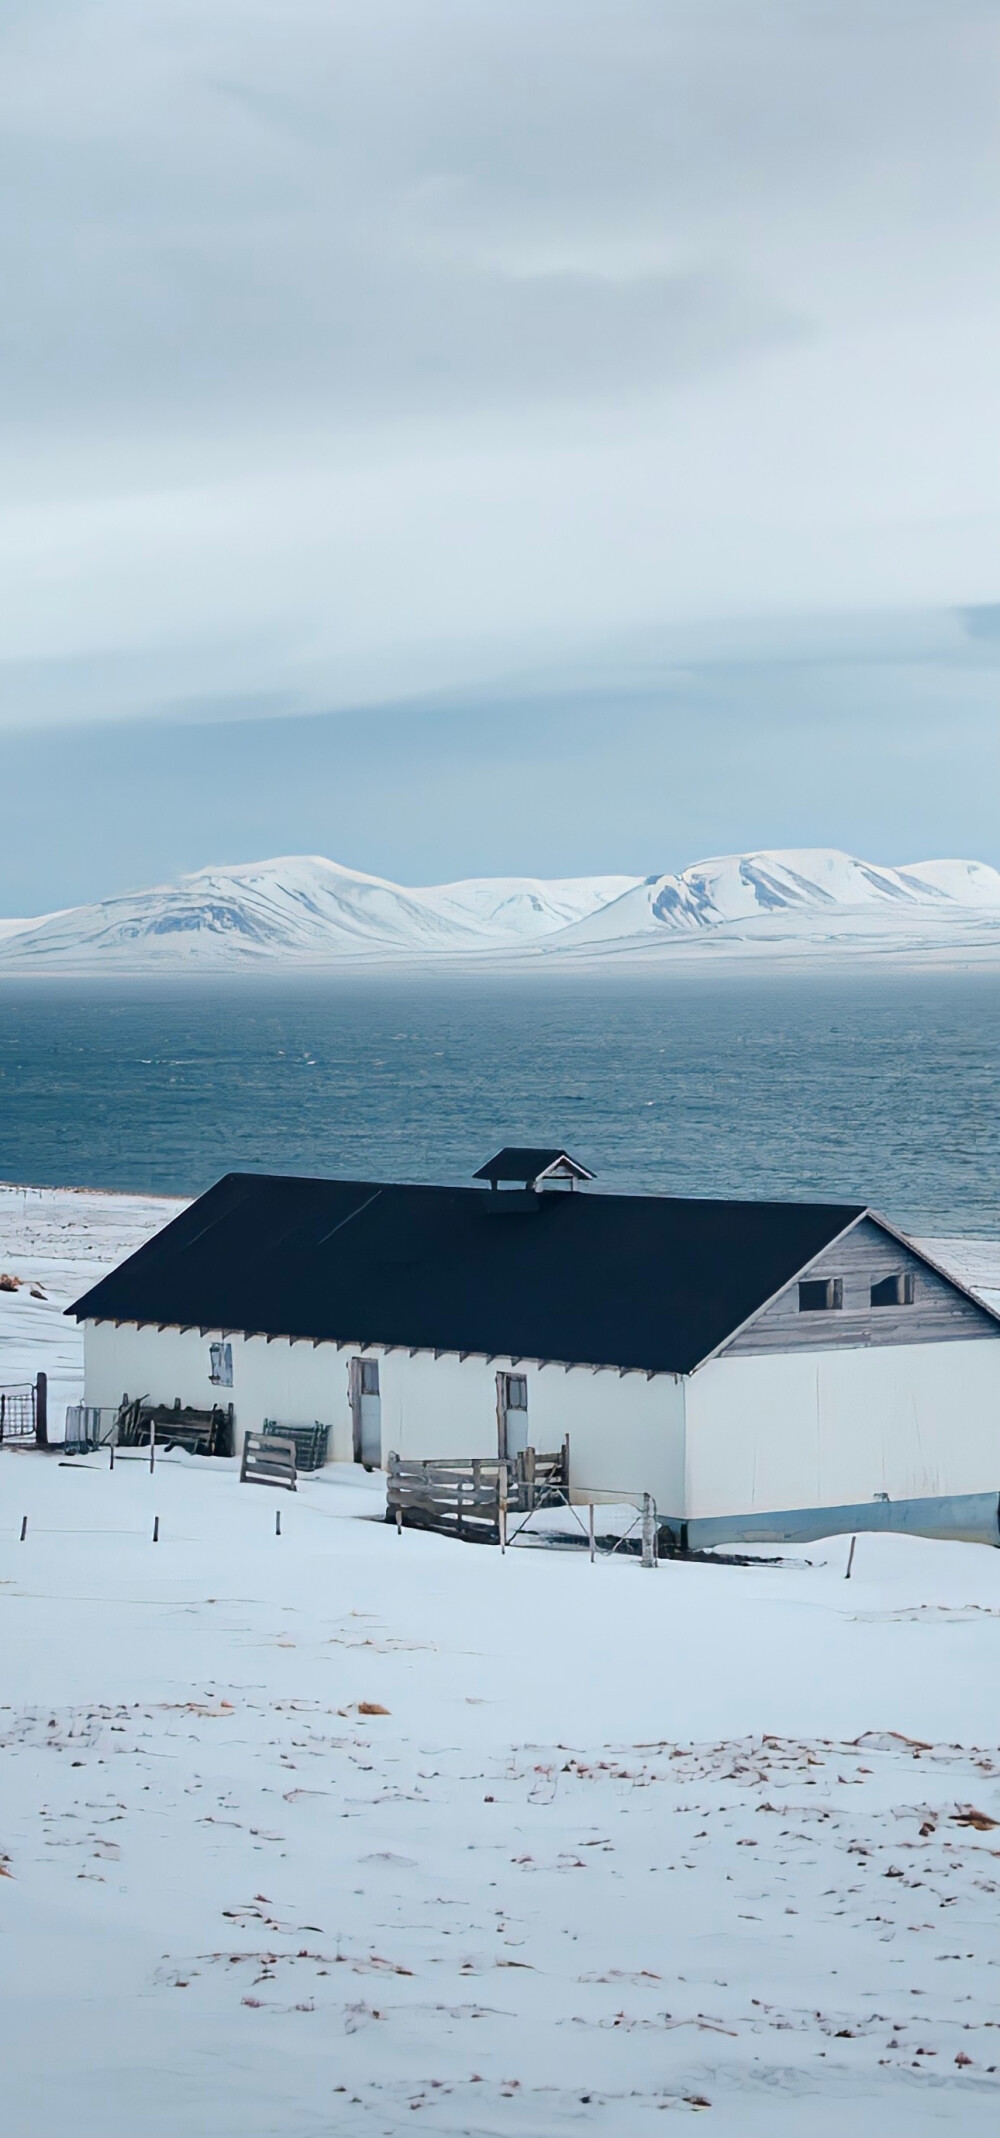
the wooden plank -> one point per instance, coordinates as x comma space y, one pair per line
447, 1510
439, 1484
553, 1456
445, 1499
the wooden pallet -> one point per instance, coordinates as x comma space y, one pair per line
201, 1432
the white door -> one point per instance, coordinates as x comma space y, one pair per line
366, 1411
514, 1395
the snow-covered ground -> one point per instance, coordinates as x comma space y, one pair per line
336, 1831
58, 1241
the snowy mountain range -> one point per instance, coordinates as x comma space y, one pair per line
312, 912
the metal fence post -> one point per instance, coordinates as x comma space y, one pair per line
41, 1410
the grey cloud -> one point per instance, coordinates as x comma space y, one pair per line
982, 622
368, 340
389, 208
661, 753
352, 350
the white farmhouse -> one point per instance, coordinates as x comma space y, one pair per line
750, 1365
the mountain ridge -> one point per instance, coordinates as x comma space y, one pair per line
307, 910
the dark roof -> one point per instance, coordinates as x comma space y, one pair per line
518, 1161
651, 1282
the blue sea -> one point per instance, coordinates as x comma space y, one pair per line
881, 1086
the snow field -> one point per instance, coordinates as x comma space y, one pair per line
610, 1851
58, 1241
624, 1845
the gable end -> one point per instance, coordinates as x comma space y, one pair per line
939, 1312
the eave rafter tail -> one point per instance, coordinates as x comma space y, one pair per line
512, 1360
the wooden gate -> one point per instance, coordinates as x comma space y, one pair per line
473, 1499
268, 1461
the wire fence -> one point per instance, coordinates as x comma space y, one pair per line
639, 1536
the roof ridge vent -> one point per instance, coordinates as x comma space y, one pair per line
526, 1167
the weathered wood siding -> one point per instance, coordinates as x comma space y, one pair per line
939, 1313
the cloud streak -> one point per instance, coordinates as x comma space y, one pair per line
858, 734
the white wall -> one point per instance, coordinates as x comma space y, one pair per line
438, 1407
297, 1383
626, 1433
826, 1428
799, 1429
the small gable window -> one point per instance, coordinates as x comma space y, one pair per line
221, 1365
515, 1391
820, 1295
894, 1291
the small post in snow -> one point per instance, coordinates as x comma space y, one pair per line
648, 1530
156, 1529
590, 1531
502, 1506
24, 1527
41, 1410
850, 1559
277, 1521
152, 1443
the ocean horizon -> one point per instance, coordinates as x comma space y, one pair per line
876, 1085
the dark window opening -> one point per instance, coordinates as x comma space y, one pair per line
819, 1295
369, 1377
515, 1392
894, 1291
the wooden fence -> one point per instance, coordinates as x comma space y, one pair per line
473, 1499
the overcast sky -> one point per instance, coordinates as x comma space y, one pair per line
363, 351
